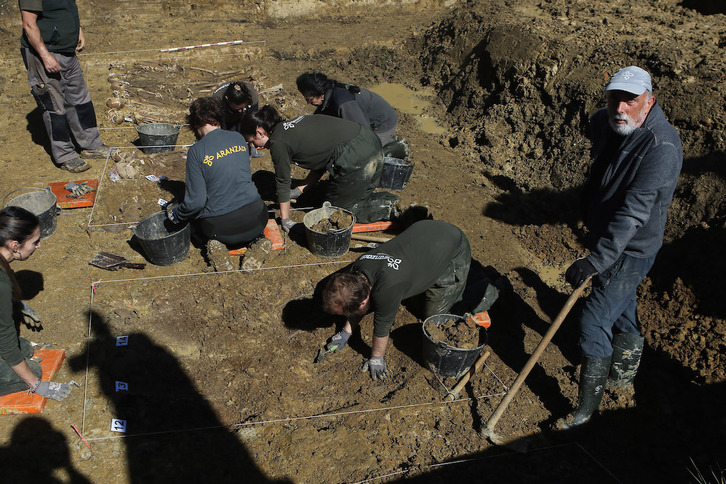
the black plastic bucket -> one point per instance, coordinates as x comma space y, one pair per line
334, 243
164, 242
157, 137
395, 173
444, 360
42, 204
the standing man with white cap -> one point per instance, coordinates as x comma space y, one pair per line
637, 158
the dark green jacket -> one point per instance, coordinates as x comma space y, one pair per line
58, 22
9, 343
308, 141
405, 266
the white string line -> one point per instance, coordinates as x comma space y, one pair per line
98, 189
272, 210
599, 463
158, 51
496, 376
88, 358
220, 272
294, 419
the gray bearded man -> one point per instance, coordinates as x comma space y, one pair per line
637, 159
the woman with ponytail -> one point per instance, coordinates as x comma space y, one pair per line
349, 102
19, 238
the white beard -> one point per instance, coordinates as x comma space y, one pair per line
622, 129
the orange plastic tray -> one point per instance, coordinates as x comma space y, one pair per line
373, 227
21, 402
272, 232
86, 200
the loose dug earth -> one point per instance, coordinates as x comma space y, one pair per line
454, 333
218, 368
338, 220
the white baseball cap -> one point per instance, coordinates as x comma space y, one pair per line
630, 79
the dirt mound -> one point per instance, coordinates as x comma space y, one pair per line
520, 83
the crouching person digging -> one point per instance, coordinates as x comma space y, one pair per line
431, 258
220, 198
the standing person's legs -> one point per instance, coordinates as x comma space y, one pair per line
79, 108
449, 288
48, 91
612, 303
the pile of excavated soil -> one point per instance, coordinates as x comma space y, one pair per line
338, 220
455, 333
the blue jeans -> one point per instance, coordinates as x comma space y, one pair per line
611, 306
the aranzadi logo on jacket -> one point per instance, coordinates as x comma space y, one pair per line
291, 124
393, 263
209, 159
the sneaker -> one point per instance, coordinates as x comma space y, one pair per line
218, 256
102, 151
256, 254
76, 165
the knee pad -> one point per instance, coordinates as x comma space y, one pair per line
59, 127
86, 115
42, 97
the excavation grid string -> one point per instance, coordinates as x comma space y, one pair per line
294, 419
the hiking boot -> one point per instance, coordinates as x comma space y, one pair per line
256, 254
218, 256
102, 151
76, 165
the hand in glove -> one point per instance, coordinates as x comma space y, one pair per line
52, 390
337, 342
377, 366
287, 224
171, 213
295, 193
28, 316
579, 272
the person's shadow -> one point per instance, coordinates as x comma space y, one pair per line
35, 452
172, 433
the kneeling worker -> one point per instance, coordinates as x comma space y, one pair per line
430, 258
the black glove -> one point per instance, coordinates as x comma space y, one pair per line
337, 341
377, 366
579, 272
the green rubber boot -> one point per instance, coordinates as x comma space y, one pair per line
593, 376
627, 350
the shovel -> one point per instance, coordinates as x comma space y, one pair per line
488, 429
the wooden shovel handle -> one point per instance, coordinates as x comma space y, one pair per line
535, 356
370, 238
465, 379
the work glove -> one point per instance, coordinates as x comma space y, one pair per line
53, 390
579, 271
287, 224
28, 316
78, 189
337, 341
171, 213
295, 193
377, 366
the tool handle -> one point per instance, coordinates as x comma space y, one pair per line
465, 379
535, 356
369, 238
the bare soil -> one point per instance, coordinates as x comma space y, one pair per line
219, 378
